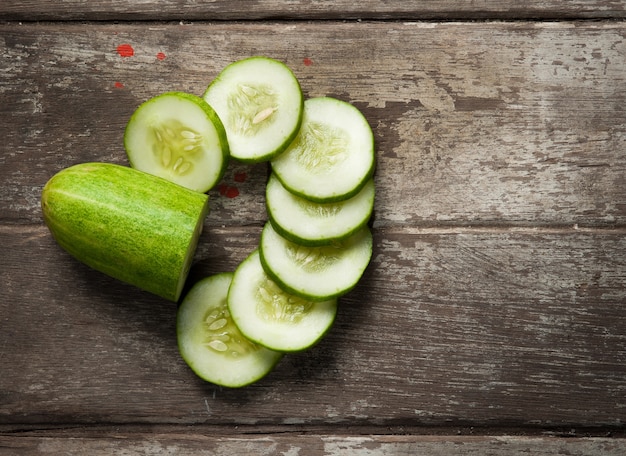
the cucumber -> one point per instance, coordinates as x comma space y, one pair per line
211, 344
179, 137
308, 223
133, 226
332, 157
260, 103
272, 317
315, 273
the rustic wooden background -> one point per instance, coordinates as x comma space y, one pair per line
491, 319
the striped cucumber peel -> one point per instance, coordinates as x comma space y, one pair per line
260, 103
130, 225
211, 344
179, 137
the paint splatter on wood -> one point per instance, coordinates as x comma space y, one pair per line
229, 191
125, 50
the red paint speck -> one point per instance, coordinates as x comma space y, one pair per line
228, 191
119, 85
125, 50
232, 192
307, 62
241, 177
160, 56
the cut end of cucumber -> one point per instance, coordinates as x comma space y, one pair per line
191, 250
332, 157
260, 103
211, 344
179, 137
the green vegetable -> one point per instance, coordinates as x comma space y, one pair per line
211, 344
310, 223
260, 103
272, 317
133, 226
179, 137
332, 157
317, 273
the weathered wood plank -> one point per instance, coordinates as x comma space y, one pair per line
308, 445
475, 123
302, 9
496, 327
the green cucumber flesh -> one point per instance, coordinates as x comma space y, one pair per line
260, 103
272, 317
128, 224
211, 344
332, 157
310, 223
179, 137
315, 273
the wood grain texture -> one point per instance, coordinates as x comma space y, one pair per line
462, 327
494, 300
475, 123
28, 10
306, 445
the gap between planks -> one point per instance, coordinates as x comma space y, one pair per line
38, 230
108, 430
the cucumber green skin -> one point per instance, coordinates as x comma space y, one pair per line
130, 225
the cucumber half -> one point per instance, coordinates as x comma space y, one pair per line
332, 157
315, 273
272, 317
179, 137
128, 224
260, 103
308, 223
211, 344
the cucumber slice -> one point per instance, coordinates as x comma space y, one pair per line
308, 223
315, 273
211, 344
260, 103
272, 317
332, 157
178, 136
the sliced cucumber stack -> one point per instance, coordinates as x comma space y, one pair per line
332, 157
272, 317
316, 245
179, 137
309, 223
316, 273
211, 344
260, 103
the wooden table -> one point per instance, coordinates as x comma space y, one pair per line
492, 317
